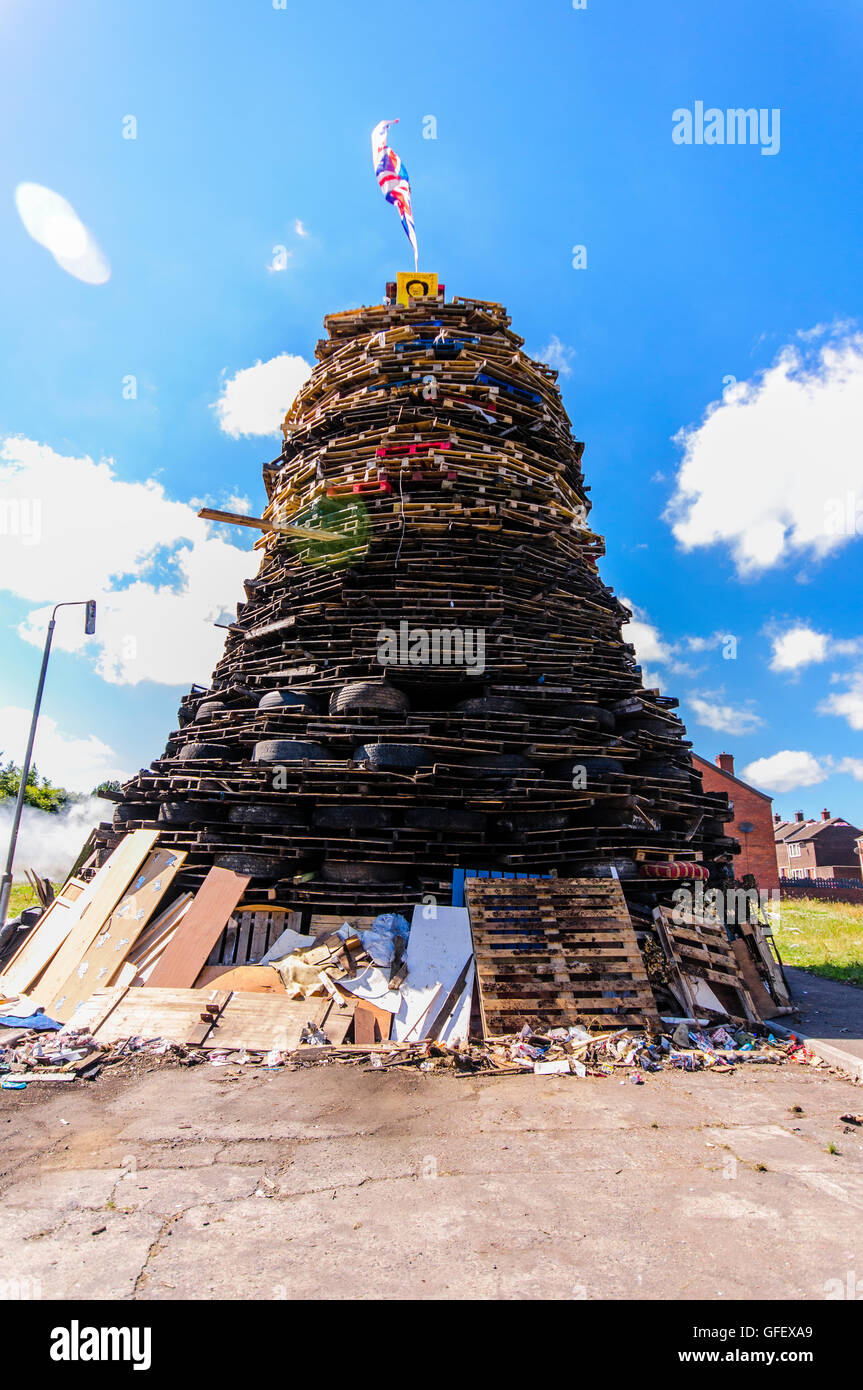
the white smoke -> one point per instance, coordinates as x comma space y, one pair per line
51, 842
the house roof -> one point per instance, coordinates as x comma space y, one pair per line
785, 828
714, 767
814, 828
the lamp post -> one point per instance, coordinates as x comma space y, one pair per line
89, 629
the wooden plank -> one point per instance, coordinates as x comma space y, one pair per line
45, 939
101, 962
184, 958
172, 1014
264, 1022
252, 979
106, 890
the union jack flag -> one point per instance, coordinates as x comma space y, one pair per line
394, 181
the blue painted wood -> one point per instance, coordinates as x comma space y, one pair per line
459, 876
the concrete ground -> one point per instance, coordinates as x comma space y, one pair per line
341, 1182
827, 1010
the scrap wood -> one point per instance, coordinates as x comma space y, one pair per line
185, 956
91, 909
107, 952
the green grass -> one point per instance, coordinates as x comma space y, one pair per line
826, 938
24, 896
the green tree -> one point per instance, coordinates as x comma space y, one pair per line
40, 794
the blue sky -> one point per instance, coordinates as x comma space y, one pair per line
721, 298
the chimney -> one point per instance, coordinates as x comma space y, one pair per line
798, 816
825, 814
777, 819
725, 762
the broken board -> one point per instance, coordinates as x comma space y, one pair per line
555, 953
186, 954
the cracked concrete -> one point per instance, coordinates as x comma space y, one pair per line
339, 1182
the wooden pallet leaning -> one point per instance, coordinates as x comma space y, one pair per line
555, 953
697, 948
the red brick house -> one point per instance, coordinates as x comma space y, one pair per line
825, 848
753, 819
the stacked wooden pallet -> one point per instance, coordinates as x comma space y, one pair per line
442, 456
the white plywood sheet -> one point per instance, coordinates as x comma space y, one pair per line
437, 949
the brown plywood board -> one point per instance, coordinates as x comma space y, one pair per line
186, 954
104, 892
101, 962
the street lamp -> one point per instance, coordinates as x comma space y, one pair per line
89, 629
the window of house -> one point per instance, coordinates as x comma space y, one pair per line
794, 851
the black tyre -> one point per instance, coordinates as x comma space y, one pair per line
205, 752
574, 710
266, 866
490, 704
400, 756
289, 750
288, 700
439, 818
208, 708
190, 812
596, 769
362, 696
263, 815
351, 817
336, 871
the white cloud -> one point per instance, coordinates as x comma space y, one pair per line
787, 770
768, 471
160, 576
847, 703
79, 764
256, 399
726, 719
644, 636
802, 645
853, 766
799, 646
54, 223
558, 355
299, 228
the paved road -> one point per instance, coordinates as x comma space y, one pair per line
338, 1182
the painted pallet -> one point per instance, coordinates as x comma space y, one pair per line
556, 953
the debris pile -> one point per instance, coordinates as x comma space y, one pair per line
431, 671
